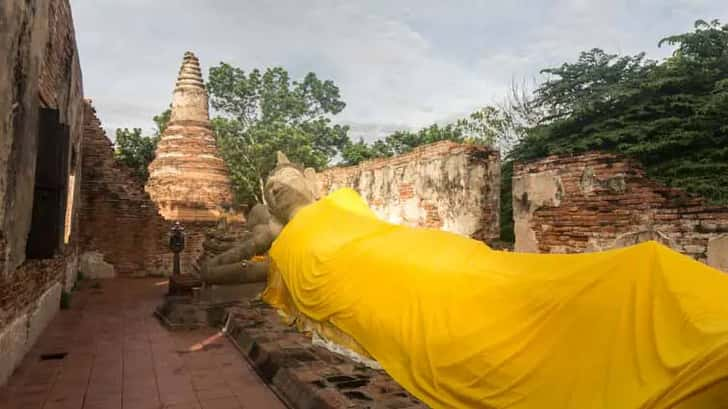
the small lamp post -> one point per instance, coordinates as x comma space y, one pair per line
176, 244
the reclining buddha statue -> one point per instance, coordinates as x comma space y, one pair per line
288, 188
460, 325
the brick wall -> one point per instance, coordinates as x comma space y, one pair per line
41, 71
594, 201
445, 185
57, 76
119, 219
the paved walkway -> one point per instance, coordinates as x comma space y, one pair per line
120, 357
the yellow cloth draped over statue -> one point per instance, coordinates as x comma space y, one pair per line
462, 326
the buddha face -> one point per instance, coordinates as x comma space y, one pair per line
289, 188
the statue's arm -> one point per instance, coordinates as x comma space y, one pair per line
238, 273
257, 243
233, 266
220, 246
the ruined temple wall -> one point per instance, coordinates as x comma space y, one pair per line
118, 219
41, 70
445, 185
594, 201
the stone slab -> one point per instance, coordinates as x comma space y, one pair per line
718, 252
92, 265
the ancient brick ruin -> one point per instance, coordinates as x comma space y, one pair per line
41, 101
597, 201
445, 185
306, 374
187, 179
64, 195
117, 217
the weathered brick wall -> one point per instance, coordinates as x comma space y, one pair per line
567, 204
55, 77
41, 70
445, 185
61, 88
119, 219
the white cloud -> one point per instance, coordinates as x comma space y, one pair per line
400, 64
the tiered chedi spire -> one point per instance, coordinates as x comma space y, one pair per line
187, 178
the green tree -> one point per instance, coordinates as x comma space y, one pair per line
671, 116
263, 112
484, 126
135, 150
161, 121
356, 152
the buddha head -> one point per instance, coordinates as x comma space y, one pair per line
289, 187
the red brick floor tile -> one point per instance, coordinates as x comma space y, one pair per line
205, 383
214, 393
184, 405
142, 403
61, 394
257, 396
120, 357
26, 402
222, 403
64, 405
141, 394
108, 403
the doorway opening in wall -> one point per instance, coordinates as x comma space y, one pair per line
49, 194
70, 197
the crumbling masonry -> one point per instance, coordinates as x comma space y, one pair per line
597, 201
41, 111
444, 185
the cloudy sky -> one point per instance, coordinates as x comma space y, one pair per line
399, 64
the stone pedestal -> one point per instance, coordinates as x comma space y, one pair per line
204, 307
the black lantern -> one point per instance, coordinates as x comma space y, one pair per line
176, 244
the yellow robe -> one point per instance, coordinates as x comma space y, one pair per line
462, 326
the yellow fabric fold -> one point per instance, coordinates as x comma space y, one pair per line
462, 326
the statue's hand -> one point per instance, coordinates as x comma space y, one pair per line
203, 272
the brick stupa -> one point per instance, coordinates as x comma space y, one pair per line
188, 179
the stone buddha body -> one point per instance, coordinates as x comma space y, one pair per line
289, 188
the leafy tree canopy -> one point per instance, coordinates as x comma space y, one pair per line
136, 150
161, 121
671, 116
485, 126
263, 112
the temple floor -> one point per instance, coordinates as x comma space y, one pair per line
118, 356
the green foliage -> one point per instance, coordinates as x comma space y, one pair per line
507, 233
484, 127
355, 152
135, 150
671, 116
264, 112
161, 121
